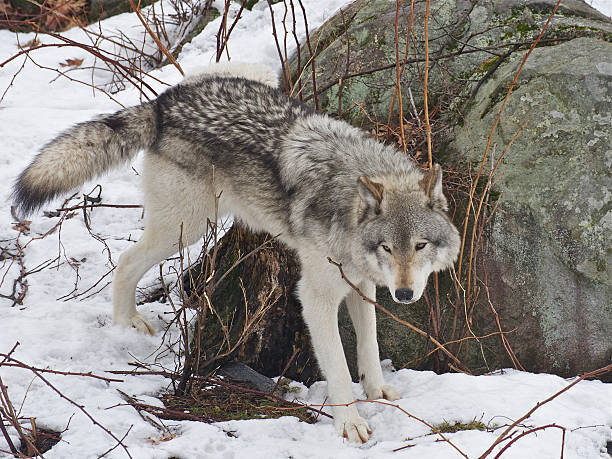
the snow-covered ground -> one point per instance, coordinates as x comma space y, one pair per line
60, 333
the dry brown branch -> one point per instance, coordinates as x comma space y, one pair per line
397, 319
467, 284
18, 364
505, 434
250, 322
437, 58
285, 53
240, 259
99, 204
119, 443
222, 30
399, 70
223, 34
165, 413
299, 51
293, 405
89, 203
483, 197
285, 65
476, 213
415, 111
455, 341
220, 382
84, 294
311, 58
288, 364
20, 284
346, 65
181, 319
131, 61
493, 129
505, 342
425, 81
394, 405
8, 412
160, 45
80, 408
535, 429
128, 71
398, 74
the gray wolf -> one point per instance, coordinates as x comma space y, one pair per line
327, 188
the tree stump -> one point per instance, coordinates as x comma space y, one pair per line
255, 317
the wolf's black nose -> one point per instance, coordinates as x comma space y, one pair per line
403, 294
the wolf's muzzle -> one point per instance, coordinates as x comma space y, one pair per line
404, 295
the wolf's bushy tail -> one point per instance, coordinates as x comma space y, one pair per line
83, 152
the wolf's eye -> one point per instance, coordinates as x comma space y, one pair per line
385, 248
420, 245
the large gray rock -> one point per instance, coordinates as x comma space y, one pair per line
550, 242
547, 252
357, 47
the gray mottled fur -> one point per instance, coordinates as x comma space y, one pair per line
325, 187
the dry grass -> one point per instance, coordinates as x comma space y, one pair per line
225, 403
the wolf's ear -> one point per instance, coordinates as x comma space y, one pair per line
371, 194
431, 184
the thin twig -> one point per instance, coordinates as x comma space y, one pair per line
155, 38
311, 58
92, 206
503, 436
527, 432
433, 59
425, 81
394, 405
397, 319
295, 351
284, 63
493, 129
227, 34
81, 408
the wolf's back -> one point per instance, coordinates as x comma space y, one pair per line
83, 152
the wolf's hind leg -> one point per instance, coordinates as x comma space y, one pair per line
154, 246
175, 207
363, 316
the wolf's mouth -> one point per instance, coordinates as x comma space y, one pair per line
413, 300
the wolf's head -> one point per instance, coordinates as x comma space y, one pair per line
405, 233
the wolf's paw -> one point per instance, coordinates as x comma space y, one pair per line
352, 426
385, 391
142, 325
389, 393
136, 321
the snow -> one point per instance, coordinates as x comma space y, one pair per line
78, 335
604, 6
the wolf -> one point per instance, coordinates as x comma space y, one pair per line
326, 188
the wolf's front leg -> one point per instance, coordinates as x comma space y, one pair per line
363, 316
320, 292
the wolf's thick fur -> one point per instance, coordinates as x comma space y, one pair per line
327, 188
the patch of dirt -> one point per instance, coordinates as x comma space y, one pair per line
43, 440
